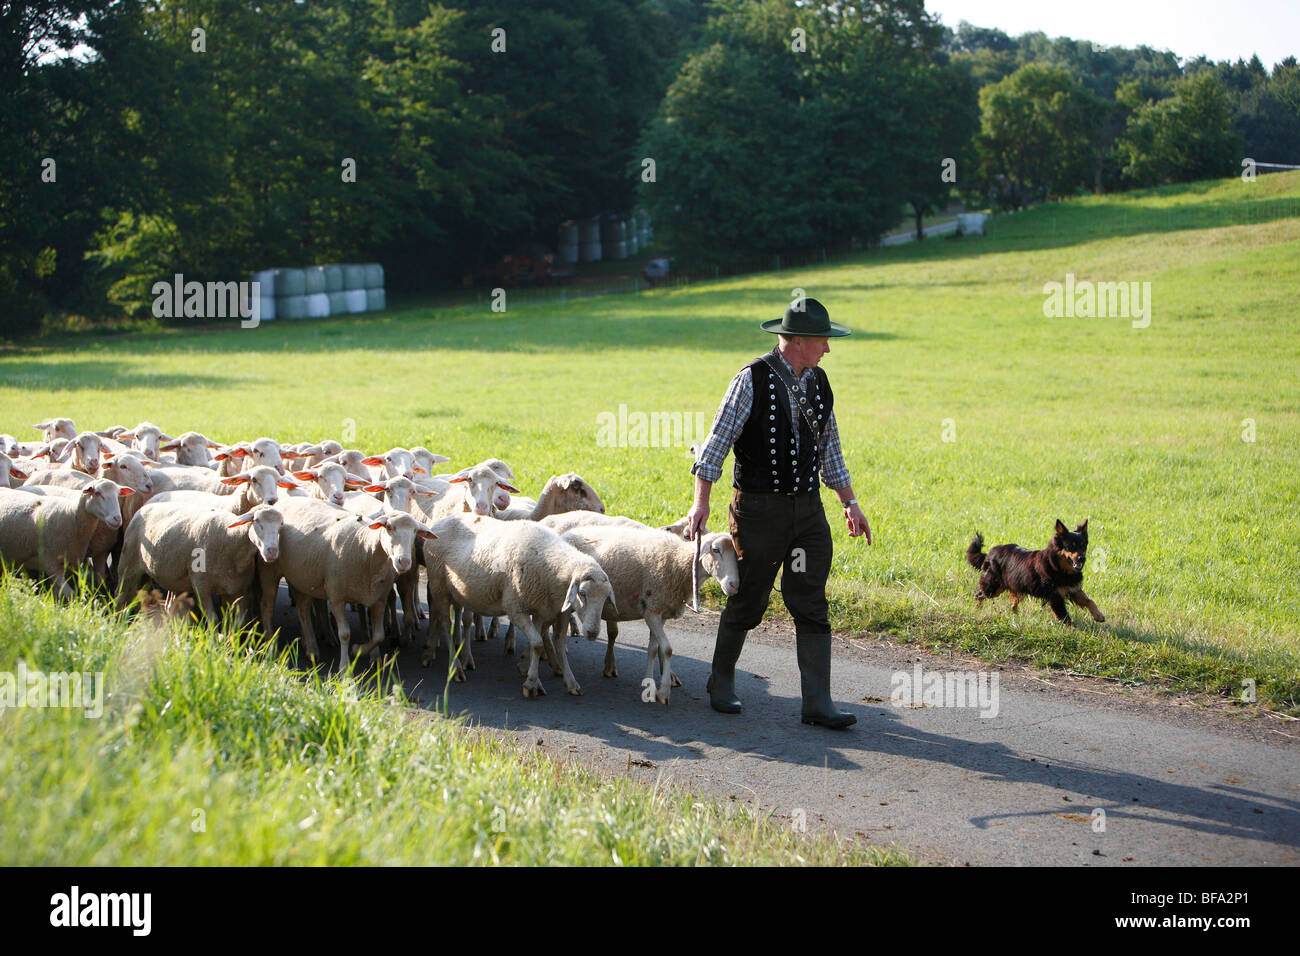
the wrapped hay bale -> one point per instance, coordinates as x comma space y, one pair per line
267, 306
374, 275
356, 300
374, 300
354, 277
333, 278
291, 307
314, 277
318, 305
338, 301
266, 283
290, 282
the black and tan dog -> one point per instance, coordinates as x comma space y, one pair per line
1053, 574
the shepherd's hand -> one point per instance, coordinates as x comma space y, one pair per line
857, 522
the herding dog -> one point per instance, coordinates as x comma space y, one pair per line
1052, 574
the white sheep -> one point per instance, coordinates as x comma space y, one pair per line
127, 470
53, 428
518, 569
248, 490
50, 533
328, 552
12, 474
189, 547
561, 493
191, 448
651, 571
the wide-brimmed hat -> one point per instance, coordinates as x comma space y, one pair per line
812, 319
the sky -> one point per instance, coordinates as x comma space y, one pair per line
1220, 29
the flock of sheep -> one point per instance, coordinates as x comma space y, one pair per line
231, 521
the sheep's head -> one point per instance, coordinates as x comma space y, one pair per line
399, 532
262, 482
264, 524
574, 494
266, 452
423, 460
147, 437
128, 469
718, 559
101, 499
86, 450
395, 462
53, 428
191, 449
585, 601
332, 482
482, 486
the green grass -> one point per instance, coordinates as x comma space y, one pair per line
213, 753
1193, 530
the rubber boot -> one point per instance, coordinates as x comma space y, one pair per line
722, 682
814, 653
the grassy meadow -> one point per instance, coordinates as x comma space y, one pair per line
961, 407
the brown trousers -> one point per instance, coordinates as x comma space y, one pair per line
777, 531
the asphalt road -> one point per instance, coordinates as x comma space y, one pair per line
1177, 782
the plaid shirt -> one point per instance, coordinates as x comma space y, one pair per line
734, 412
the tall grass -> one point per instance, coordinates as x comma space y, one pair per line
212, 752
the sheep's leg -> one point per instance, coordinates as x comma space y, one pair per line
129, 581
303, 603
480, 629
664, 648
532, 683
377, 614
204, 598
270, 585
550, 632
431, 636
510, 636
340, 609
611, 666
570, 682
407, 585
465, 637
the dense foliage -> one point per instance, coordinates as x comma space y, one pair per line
140, 138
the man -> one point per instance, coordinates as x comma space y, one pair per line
779, 415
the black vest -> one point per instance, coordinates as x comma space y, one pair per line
765, 451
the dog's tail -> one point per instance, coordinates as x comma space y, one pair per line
975, 553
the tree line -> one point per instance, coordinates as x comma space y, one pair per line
141, 138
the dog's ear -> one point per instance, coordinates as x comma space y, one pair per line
1060, 527
1083, 528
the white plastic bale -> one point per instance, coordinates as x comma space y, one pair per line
374, 275
338, 303
333, 278
290, 282
267, 306
354, 277
318, 305
314, 279
590, 252
291, 307
374, 300
356, 300
266, 283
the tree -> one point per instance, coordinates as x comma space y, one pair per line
771, 139
1188, 136
1037, 133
